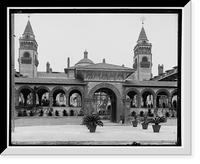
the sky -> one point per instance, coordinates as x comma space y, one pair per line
109, 36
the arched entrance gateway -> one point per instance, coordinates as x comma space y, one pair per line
106, 101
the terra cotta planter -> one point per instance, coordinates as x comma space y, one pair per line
134, 124
144, 126
156, 128
92, 128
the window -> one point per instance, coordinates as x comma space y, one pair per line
26, 54
144, 59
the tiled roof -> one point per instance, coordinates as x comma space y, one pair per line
151, 83
104, 66
142, 35
49, 81
85, 61
28, 29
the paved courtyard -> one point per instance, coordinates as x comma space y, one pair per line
109, 134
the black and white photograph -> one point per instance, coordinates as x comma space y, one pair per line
96, 78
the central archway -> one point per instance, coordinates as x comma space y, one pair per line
105, 103
107, 100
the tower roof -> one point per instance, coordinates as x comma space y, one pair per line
142, 35
28, 29
85, 60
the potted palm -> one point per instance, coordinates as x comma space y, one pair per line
145, 121
157, 120
135, 120
91, 121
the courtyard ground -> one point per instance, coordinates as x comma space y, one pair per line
58, 131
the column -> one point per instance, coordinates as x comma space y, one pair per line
88, 106
139, 101
50, 100
154, 101
127, 105
67, 100
169, 102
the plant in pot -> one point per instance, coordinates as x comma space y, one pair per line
91, 121
135, 120
156, 121
145, 121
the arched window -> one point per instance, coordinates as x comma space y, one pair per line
144, 59
26, 54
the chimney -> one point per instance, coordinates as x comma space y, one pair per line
85, 54
104, 60
47, 67
160, 69
50, 70
68, 62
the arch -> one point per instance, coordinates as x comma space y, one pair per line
75, 88
53, 96
24, 87
43, 87
148, 90
79, 94
104, 85
163, 98
174, 91
146, 99
144, 59
129, 90
163, 90
25, 91
40, 100
134, 95
117, 109
58, 88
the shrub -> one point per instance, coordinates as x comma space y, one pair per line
41, 113
71, 112
31, 113
150, 114
167, 114
20, 114
157, 120
24, 113
92, 119
50, 113
56, 113
133, 113
65, 113
141, 113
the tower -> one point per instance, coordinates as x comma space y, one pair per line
28, 56
142, 57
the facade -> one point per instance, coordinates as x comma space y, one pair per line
107, 89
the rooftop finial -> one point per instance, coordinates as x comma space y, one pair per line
28, 17
143, 19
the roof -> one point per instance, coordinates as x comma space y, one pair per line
49, 81
105, 66
85, 61
28, 29
151, 83
142, 35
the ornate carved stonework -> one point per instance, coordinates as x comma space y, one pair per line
92, 75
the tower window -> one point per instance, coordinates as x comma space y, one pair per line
144, 59
26, 54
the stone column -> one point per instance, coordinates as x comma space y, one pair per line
67, 100
154, 101
139, 101
169, 102
127, 105
88, 106
50, 100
